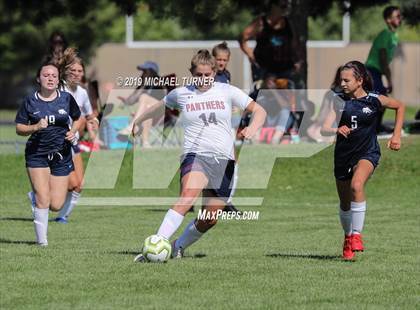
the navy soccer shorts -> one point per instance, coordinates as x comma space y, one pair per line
60, 162
345, 172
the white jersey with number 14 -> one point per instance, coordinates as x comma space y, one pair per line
206, 117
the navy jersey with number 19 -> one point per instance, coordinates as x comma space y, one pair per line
58, 113
361, 115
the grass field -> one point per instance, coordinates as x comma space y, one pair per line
289, 258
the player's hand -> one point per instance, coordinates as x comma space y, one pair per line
136, 130
41, 124
94, 123
344, 131
394, 143
246, 133
73, 137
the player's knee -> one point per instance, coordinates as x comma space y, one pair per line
357, 186
42, 201
187, 198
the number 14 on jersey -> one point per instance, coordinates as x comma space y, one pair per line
211, 119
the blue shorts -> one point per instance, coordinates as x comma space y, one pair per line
345, 172
218, 171
60, 163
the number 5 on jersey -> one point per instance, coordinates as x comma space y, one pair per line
211, 119
353, 121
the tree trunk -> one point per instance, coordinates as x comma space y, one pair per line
299, 19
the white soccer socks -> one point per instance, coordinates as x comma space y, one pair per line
353, 219
358, 210
170, 224
189, 236
345, 219
235, 182
41, 226
71, 201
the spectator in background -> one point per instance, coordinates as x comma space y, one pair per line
56, 47
278, 105
275, 52
146, 96
381, 55
314, 131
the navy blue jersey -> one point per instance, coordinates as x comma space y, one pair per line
222, 77
59, 113
361, 115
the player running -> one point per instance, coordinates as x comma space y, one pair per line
221, 54
208, 162
357, 150
46, 116
73, 70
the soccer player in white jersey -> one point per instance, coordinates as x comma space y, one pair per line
207, 163
73, 71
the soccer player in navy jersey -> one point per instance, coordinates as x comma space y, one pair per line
221, 54
357, 150
45, 116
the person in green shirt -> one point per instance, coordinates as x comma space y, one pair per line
381, 54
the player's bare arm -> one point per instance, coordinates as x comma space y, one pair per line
395, 142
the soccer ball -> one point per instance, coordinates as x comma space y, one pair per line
156, 249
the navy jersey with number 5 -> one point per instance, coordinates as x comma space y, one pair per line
361, 115
58, 113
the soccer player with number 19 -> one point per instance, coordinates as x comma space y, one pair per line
46, 116
357, 150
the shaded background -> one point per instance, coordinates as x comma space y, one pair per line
26, 25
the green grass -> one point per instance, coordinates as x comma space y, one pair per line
288, 259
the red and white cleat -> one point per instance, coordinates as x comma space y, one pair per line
357, 243
348, 253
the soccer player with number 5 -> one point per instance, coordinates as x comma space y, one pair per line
207, 163
357, 150
45, 116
